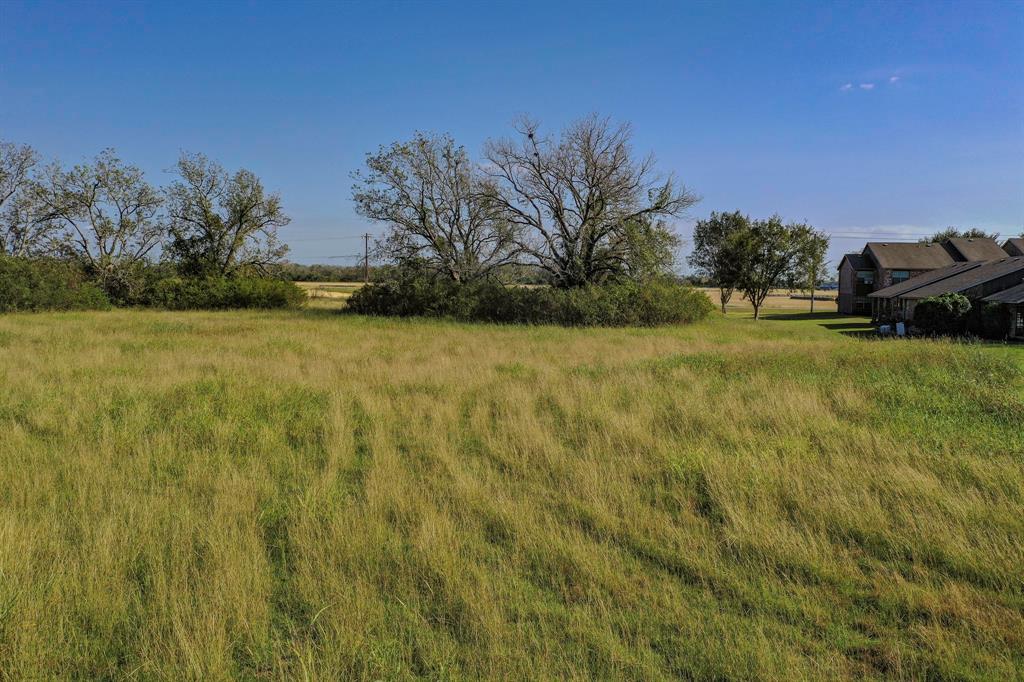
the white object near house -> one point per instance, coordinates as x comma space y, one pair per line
885, 330
901, 329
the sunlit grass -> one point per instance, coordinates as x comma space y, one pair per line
289, 494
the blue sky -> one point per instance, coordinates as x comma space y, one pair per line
865, 119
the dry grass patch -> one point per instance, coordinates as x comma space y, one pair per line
289, 494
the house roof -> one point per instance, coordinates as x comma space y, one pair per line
924, 279
1014, 246
975, 249
857, 262
1012, 295
969, 278
909, 256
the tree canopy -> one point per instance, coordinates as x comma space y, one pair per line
956, 233
438, 207
586, 209
222, 223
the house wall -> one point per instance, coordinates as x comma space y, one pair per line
847, 286
853, 295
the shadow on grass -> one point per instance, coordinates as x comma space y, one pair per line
809, 316
846, 325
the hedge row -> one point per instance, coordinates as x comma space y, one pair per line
31, 285
46, 284
177, 293
618, 305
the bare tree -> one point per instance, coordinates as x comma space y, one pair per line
579, 199
222, 224
438, 208
25, 222
110, 215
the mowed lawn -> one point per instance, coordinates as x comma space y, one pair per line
264, 495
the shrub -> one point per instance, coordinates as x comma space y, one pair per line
217, 293
46, 284
943, 315
614, 305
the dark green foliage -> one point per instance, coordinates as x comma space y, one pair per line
954, 233
615, 305
46, 284
217, 293
945, 315
989, 320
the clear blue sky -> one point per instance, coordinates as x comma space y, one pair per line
863, 118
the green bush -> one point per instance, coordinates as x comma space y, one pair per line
614, 305
945, 315
46, 284
216, 293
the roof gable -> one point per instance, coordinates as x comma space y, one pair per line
1014, 246
908, 256
970, 249
857, 261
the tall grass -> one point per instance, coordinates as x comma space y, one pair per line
300, 494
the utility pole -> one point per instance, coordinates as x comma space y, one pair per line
366, 258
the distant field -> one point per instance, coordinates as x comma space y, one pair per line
779, 299
330, 290
307, 495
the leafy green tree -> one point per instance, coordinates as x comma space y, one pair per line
222, 224
767, 251
811, 257
716, 255
955, 233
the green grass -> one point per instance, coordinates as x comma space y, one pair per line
262, 495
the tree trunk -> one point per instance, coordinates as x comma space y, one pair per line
812, 301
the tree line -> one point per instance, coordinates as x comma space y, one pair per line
756, 256
105, 215
579, 207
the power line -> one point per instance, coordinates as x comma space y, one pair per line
326, 239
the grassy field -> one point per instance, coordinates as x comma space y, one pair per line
329, 290
261, 495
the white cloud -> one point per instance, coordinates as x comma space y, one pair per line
867, 86
847, 87
894, 79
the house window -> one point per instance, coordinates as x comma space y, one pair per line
860, 304
900, 276
866, 277
1020, 322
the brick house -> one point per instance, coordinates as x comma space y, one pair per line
978, 281
884, 264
